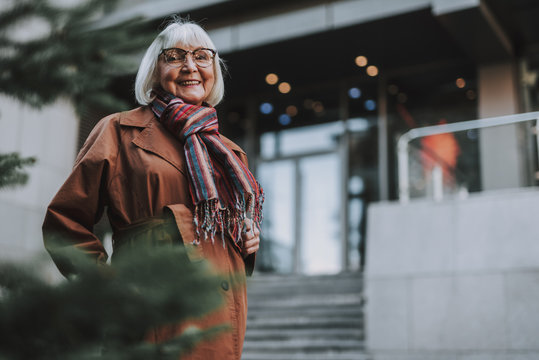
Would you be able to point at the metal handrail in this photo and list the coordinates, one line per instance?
(404, 140)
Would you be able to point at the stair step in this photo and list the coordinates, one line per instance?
(315, 311)
(295, 291)
(306, 300)
(310, 333)
(304, 322)
(261, 277)
(325, 355)
(305, 345)
(304, 317)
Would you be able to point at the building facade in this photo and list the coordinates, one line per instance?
(318, 94)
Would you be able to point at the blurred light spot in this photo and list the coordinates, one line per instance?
(393, 89)
(266, 108)
(354, 93)
(471, 95)
(460, 82)
(356, 185)
(291, 110)
(284, 119)
(308, 104)
(361, 61)
(284, 87)
(370, 105)
(357, 124)
(318, 107)
(372, 70)
(402, 98)
(472, 134)
(272, 79)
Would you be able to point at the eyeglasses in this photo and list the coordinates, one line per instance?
(177, 57)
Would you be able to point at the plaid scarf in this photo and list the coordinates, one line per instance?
(223, 189)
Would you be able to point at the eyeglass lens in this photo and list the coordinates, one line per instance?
(177, 57)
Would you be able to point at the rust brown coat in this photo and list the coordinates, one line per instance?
(132, 165)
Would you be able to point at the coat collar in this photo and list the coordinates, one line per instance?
(156, 139)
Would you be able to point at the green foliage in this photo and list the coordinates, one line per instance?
(106, 312)
(11, 173)
(74, 59)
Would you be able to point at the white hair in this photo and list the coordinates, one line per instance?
(187, 34)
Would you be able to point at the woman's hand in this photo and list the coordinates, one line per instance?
(251, 238)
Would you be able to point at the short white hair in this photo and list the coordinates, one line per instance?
(187, 34)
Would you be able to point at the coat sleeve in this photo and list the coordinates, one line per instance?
(251, 258)
(79, 203)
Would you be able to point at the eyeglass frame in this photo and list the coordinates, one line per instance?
(192, 52)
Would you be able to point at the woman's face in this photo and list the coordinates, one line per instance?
(189, 82)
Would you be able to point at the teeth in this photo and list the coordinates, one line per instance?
(191, 82)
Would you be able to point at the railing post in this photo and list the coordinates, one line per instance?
(437, 183)
(402, 154)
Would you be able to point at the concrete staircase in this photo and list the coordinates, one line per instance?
(305, 318)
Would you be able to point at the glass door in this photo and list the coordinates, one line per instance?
(301, 230)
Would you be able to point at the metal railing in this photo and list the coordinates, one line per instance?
(406, 138)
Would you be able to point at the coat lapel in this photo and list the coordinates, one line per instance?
(155, 138)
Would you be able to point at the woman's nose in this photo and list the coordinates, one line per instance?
(189, 64)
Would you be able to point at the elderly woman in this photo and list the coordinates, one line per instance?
(165, 164)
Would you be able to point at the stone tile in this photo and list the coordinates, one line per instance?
(524, 355)
(51, 181)
(484, 356)
(480, 309)
(33, 129)
(25, 195)
(523, 310)
(485, 240)
(474, 247)
(414, 356)
(386, 313)
(411, 245)
(32, 236)
(62, 133)
(10, 116)
(432, 313)
(458, 313)
(12, 229)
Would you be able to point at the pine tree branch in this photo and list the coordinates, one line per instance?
(11, 173)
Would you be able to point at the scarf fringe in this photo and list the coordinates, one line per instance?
(210, 218)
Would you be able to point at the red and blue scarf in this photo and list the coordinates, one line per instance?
(223, 190)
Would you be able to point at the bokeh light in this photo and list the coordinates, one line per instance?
(318, 107)
(354, 93)
(272, 79)
(284, 87)
(471, 95)
(372, 70)
(370, 105)
(460, 82)
(266, 108)
(361, 61)
(291, 110)
(284, 119)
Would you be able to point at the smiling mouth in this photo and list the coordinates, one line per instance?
(189, 83)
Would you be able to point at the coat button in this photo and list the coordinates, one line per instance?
(224, 285)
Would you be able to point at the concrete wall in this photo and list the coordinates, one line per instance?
(50, 135)
(454, 280)
(501, 166)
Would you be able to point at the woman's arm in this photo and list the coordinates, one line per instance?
(79, 203)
